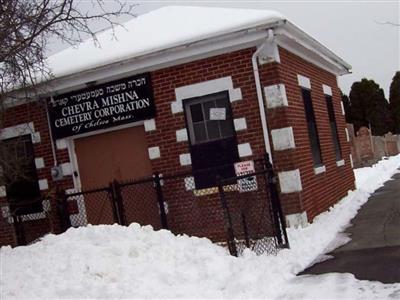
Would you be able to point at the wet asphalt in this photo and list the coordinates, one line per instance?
(374, 250)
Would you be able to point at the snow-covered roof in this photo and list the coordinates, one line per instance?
(160, 29)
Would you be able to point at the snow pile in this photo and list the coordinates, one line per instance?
(160, 29)
(137, 262)
(370, 178)
(114, 262)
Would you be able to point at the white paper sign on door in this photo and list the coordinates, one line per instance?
(218, 114)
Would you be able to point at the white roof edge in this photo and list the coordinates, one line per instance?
(292, 28)
(211, 39)
(157, 30)
(190, 47)
(296, 31)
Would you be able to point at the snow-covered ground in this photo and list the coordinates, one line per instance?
(137, 262)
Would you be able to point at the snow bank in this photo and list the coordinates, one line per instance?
(371, 178)
(137, 262)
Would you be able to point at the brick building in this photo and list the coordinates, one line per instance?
(170, 96)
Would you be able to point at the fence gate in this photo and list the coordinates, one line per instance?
(253, 214)
(30, 221)
(122, 203)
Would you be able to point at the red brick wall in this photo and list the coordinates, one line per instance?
(323, 190)
(319, 191)
(236, 64)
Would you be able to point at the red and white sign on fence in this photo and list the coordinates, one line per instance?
(246, 184)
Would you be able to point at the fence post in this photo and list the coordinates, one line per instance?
(118, 203)
(160, 199)
(245, 230)
(19, 230)
(279, 218)
(227, 215)
(62, 208)
(113, 202)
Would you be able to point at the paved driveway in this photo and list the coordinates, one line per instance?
(374, 251)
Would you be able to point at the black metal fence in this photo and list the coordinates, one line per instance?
(241, 212)
(29, 226)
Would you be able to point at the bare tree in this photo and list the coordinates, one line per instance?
(388, 23)
(25, 29)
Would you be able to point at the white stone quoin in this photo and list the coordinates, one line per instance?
(149, 125)
(66, 168)
(43, 184)
(61, 144)
(290, 181)
(176, 107)
(283, 138)
(304, 81)
(275, 95)
(39, 162)
(327, 90)
(235, 95)
(240, 124)
(154, 152)
(36, 137)
(245, 150)
(181, 135)
(185, 159)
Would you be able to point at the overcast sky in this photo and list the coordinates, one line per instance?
(352, 29)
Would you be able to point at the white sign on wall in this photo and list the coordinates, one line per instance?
(218, 114)
(246, 184)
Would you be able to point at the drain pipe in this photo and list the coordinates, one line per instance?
(260, 94)
(53, 150)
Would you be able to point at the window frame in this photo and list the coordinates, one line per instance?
(333, 126)
(189, 119)
(35, 199)
(313, 136)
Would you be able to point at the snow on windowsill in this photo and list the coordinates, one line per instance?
(340, 163)
(319, 170)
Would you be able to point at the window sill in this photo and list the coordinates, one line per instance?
(319, 170)
(340, 163)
